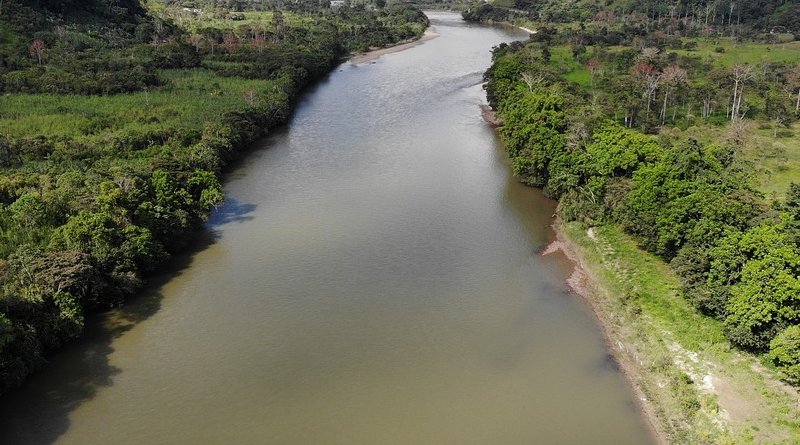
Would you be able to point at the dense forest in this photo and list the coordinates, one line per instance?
(115, 124)
(651, 127)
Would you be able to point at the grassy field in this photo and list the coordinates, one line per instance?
(192, 22)
(191, 98)
(740, 52)
(698, 385)
(561, 58)
(778, 159)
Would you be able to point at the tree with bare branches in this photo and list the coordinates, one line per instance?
(38, 50)
(260, 42)
(741, 73)
(593, 65)
(230, 42)
(531, 81)
(792, 76)
(650, 80)
(672, 77)
(196, 40)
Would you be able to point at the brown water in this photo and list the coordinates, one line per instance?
(373, 278)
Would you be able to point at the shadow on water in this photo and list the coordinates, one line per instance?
(533, 209)
(231, 211)
(38, 412)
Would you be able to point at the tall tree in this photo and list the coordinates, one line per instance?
(671, 78)
(741, 73)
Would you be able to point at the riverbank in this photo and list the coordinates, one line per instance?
(369, 56)
(692, 386)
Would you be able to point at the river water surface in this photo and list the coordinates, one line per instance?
(373, 278)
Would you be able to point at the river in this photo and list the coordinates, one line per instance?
(372, 278)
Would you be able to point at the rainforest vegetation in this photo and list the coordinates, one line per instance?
(663, 118)
(116, 121)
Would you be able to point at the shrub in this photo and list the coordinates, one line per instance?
(784, 351)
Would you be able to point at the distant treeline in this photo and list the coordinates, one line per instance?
(698, 15)
(689, 202)
(84, 218)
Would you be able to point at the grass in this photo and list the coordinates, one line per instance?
(191, 98)
(209, 19)
(701, 389)
(778, 159)
(740, 52)
(573, 71)
(251, 18)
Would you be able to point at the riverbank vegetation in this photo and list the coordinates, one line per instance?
(116, 121)
(678, 126)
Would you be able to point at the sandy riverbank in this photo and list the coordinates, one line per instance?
(429, 34)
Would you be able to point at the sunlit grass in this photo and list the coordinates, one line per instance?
(561, 58)
(191, 98)
(740, 52)
(778, 157)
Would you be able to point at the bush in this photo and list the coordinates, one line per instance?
(784, 351)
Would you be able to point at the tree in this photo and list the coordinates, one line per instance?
(793, 201)
(705, 92)
(650, 80)
(260, 42)
(593, 65)
(534, 128)
(196, 40)
(741, 74)
(531, 80)
(29, 210)
(616, 151)
(778, 108)
(277, 25)
(230, 42)
(38, 49)
(766, 300)
(784, 351)
(792, 75)
(671, 78)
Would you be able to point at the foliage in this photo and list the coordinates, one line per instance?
(785, 353)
